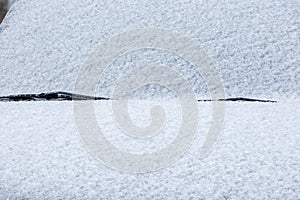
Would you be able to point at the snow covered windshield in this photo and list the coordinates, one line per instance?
(150, 99)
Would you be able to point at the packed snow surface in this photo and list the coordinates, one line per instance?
(255, 47)
(257, 156)
(254, 44)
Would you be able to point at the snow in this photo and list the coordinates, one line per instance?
(255, 44)
(257, 156)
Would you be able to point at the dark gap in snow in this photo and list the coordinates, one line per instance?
(66, 96)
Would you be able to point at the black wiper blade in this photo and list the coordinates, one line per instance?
(67, 96)
(241, 99)
(51, 96)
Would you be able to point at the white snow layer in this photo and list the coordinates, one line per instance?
(255, 44)
(257, 157)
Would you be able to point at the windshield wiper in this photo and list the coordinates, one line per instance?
(67, 96)
(51, 96)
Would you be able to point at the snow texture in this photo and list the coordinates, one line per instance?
(255, 44)
(257, 157)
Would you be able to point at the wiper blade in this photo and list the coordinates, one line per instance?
(241, 99)
(52, 96)
(67, 96)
